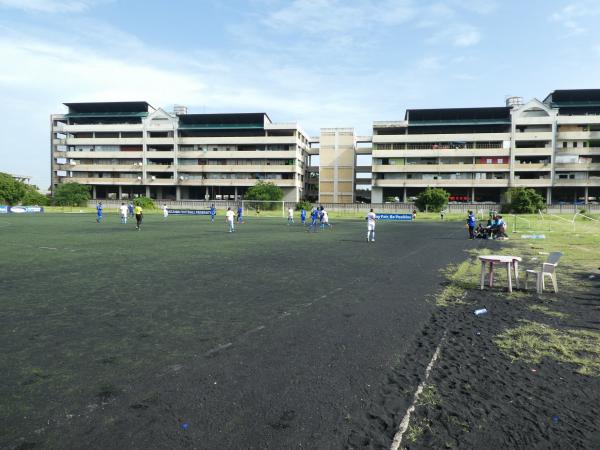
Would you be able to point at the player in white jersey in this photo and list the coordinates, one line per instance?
(325, 219)
(123, 212)
(290, 216)
(371, 218)
(165, 211)
(229, 217)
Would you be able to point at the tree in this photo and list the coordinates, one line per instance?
(33, 197)
(525, 200)
(11, 190)
(145, 202)
(265, 191)
(432, 199)
(72, 194)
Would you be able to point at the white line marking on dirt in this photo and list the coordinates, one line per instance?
(218, 349)
(406, 419)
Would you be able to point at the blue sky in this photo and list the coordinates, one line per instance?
(323, 63)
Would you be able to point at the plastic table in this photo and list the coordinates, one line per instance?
(512, 264)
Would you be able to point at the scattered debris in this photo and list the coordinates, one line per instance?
(479, 312)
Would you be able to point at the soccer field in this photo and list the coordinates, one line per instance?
(182, 333)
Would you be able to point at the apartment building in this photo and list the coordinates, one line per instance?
(126, 149)
(476, 154)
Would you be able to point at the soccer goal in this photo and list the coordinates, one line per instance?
(265, 208)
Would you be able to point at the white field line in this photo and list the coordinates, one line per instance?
(406, 419)
(49, 248)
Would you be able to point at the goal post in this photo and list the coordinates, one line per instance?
(265, 208)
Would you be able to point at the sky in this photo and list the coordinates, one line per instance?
(322, 63)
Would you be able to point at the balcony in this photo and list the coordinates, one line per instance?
(160, 154)
(533, 167)
(159, 168)
(230, 168)
(441, 183)
(443, 153)
(578, 135)
(262, 154)
(534, 136)
(578, 151)
(105, 141)
(577, 166)
(103, 181)
(441, 168)
(470, 137)
(160, 141)
(99, 155)
(546, 151)
(534, 182)
(238, 140)
(594, 182)
(236, 182)
(101, 167)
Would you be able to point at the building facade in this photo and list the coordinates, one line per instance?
(126, 149)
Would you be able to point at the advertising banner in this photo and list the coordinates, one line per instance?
(189, 212)
(22, 209)
(394, 216)
(3, 209)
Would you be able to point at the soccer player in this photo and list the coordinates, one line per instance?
(290, 216)
(239, 215)
(229, 215)
(371, 218)
(313, 216)
(471, 225)
(123, 212)
(165, 211)
(131, 209)
(324, 219)
(213, 213)
(303, 216)
(139, 215)
(99, 212)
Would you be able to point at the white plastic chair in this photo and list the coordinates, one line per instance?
(548, 269)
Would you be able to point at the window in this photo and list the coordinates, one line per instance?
(564, 145)
(489, 161)
(574, 144)
(500, 160)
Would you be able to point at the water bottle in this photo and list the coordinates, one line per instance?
(479, 312)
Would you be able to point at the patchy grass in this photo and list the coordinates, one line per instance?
(461, 277)
(416, 429)
(430, 396)
(547, 311)
(533, 341)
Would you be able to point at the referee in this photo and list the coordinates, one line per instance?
(138, 216)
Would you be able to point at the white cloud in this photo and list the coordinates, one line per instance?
(572, 16)
(457, 35)
(51, 6)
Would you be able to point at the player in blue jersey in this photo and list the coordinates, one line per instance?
(313, 216)
(303, 216)
(239, 215)
(213, 213)
(99, 212)
(130, 208)
(471, 224)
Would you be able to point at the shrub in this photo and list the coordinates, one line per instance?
(33, 197)
(432, 199)
(71, 194)
(145, 202)
(525, 201)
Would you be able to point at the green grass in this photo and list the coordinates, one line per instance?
(429, 396)
(547, 311)
(533, 341)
